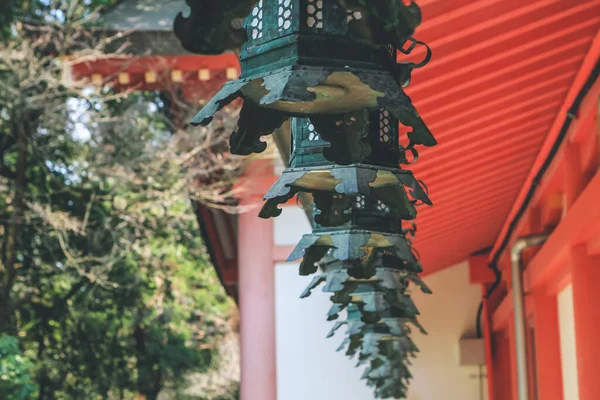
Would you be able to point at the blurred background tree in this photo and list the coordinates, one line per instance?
(16, 380)
(106, 290)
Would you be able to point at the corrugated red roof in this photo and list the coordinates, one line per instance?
(500, 72)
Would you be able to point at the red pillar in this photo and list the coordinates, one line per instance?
(257, 307)
(586, 304)
(573, 177)
(513, 358)
(547, 347)
(489, 347)
(501, 366)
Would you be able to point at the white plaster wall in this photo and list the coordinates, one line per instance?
(568, 354)
(308, 367)
(290, 226)
(448, 315)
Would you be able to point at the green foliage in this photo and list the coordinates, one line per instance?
(234, 395)
(103, 275)
(6, 16)
(16, 381)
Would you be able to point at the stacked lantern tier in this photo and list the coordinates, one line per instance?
(358, 249)
(330, 66)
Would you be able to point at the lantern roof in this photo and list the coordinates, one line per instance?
(143, 15)
(149, 24)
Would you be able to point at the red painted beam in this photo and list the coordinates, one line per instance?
(529, 95)
(551, 210)
(500, 87)
(476, 166)
(589, 144)
(507, 121)
(587, 117)
(462, 229)
(518, 59)
(489, 352)
(481, 120)
(574, 181)
(428, 95)
(499, 144)
(581, 224)
(582, 76)
(457, 195)
(455, 223)
(586, 306)
(510, 331)
(466, 229)
(479, 271)
(594, 246)
(558, 282)
(450, 201)
(155, 63)
(547, 347)
(503, 315)
(501, 367)
(502, 22)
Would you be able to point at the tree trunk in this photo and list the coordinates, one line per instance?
(14, 230)
(149, 377)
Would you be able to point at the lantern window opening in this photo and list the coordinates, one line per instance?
(314, 10)
(382, 207)
(284, 20)
(257, 21)
(385, 127)
(354, 16)
(361, 201)
(312, 133)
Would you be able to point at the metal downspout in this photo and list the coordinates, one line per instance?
(519, 309)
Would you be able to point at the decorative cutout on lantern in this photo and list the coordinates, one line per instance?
(330, 66)
(314, 14)
(284, 22)
(312, 133)
(256, 22)
(354, 16)
(384, 126)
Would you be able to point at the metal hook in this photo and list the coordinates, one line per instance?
(412, 150)
(413, 44)
(406, 68)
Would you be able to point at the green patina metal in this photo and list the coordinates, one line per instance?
(372, 285)
(316, 33)
(330, 66)
(370, 193)
(370, 137)
(213, 26)
(313, 58)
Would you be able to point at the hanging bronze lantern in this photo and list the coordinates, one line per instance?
(330, 66)
(313, 57)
